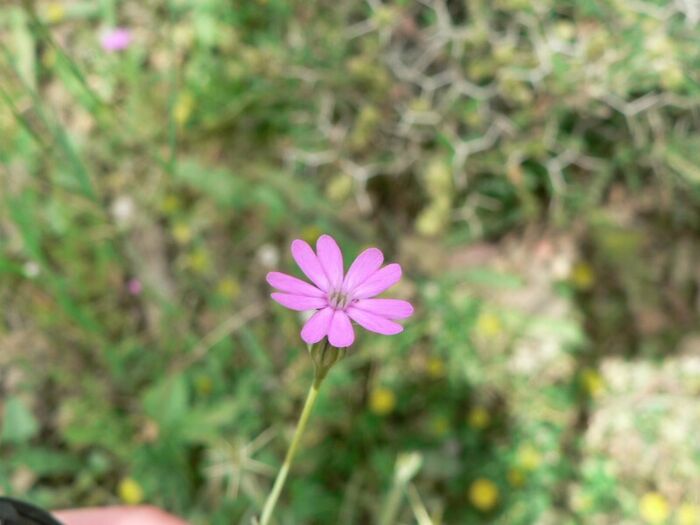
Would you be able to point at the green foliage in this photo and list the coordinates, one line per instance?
(19, 425)
(533, 167)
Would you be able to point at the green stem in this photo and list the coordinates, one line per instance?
(391, 507)
(291, 452)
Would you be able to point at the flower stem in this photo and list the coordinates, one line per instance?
(269, 506)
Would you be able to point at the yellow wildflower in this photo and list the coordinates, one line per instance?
(130, 492)
(183, 108)
(488, 325)
(654, 508)
(339, 188)
(529, 457)
(170, 204)
(516, 477)
(182, 233)
(199, 261)
(432, 220)
(672, 77)
(483, 494)
(688, 514)
(478, 418)
(435, 367)
(382, 401)
(228, 288)
(582, 276)
(55, 12)
(592, 382)
(438, 178)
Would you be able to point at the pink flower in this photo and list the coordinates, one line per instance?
(340, 297)
(134, 286)
(116, 39)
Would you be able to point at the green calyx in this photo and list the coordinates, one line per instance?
(324, 356)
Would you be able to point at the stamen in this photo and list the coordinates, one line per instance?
(338, 299)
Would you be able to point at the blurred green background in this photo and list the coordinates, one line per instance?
(534, 167)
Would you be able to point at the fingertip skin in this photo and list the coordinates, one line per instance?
(141, 515)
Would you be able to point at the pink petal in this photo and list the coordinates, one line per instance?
(331, 259)
(116, 39)
(378, 282)
(309, 263)
(389, 308)
(299, 302)
(373, 322)
(340, 332)
(316, 328)
(365, 265)
(289, 284)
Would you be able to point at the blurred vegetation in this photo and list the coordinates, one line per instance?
(533, 166)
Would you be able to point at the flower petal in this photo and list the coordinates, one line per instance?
(362, 267)
(331, 259)
(309, 263)
(299, 302)
(340, 332)
(389, 308)
(378, 282)
(287, 283)
(316, 328)
(373, 322)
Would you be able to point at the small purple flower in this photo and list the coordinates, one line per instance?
(134, 286)
(340, 297)
(116, 39)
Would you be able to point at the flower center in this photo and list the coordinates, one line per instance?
(339, 299)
